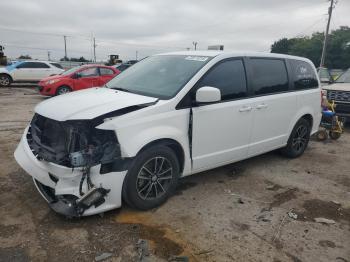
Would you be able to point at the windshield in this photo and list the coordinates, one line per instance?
(344, 78)
(159, 76)
(69, 71)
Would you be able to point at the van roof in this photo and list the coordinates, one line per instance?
(213, 53)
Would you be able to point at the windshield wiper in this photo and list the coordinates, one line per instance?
(120, 89)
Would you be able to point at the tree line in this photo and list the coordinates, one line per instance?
(338, 48)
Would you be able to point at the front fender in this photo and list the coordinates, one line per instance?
(135, 134)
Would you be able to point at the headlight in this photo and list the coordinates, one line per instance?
(50, 82)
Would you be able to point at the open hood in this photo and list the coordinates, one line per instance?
(89, 103)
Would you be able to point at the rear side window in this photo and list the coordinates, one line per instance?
(57, 65)
(304, 75)
(269, 76)
(229, 77)
(89, 72)
(106, 71)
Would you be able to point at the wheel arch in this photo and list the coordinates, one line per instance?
(307, 114)
(6, 74)
(308, 117)
(172, 144)
(63, 85)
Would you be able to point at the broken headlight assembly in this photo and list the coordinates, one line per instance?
(75, 144)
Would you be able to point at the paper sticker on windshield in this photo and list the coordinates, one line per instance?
(197, 58)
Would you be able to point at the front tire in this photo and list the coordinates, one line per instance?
(152, 178)
(5, 80)
(63, 90)
(298, 139)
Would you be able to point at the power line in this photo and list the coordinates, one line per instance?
(42, 49)
(43, 33)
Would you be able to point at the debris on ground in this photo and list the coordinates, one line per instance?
(240, 201)
(203, 252)
(292, 215)
(143, 249)
(324, 220)
(179, 259)
(103, 256)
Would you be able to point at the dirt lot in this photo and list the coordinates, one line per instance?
(234, 213)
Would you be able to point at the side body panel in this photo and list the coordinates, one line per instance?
(221, 133)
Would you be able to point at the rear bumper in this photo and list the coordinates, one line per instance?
(59, 185)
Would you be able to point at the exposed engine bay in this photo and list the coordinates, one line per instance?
(74, 144)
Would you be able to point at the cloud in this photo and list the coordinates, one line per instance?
(153, 26)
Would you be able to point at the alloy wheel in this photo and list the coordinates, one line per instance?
(299, 141)
(63, 90)
(154, 178)
(4, 81)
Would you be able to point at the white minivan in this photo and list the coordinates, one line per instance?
(168, 116)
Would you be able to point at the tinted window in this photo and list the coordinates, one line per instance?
(33, 65)
(229, 77)
(304, 75)
(122, 67)
(269, 76)
(106, 71)
(89, 72)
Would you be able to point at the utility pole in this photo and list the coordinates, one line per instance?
(324, 49)
(136, 54)
(48, 56)
(195, 45)
(94, 45)
(65, 47)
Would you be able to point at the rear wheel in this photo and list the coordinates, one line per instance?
(63, 90)
(5, 80)
(152, 178)
(298, 140)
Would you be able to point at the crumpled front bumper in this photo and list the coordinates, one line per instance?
(58, 183)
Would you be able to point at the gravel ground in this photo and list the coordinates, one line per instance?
(237, 212)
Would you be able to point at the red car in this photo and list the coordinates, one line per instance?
(77, 78)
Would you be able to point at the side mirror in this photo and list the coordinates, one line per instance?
(208, 94)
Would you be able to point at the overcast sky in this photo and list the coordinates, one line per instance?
(35, 27)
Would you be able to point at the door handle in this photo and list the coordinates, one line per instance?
(261, 106)
(245, 109)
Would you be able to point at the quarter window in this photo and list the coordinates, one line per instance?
(229, 77)
(57, 65)
(269, 76)
(304, 75)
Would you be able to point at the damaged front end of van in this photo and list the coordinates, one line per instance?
(76, 166)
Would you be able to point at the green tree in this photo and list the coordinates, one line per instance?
(24, 57)
(338, 48)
